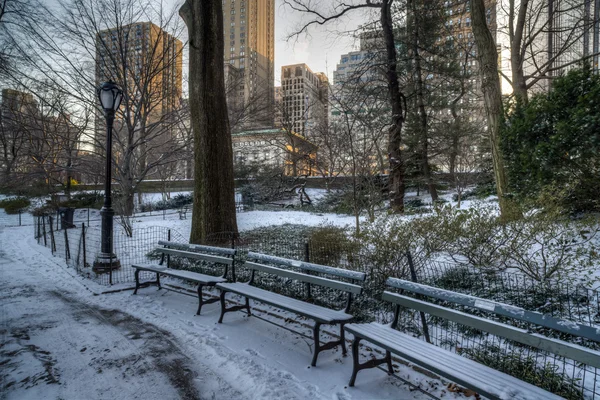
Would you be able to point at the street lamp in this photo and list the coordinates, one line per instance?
(110, 97)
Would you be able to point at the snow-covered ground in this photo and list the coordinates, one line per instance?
(60, 340)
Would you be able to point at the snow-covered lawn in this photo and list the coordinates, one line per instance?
(60, 340)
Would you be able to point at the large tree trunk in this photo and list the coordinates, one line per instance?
(396, 176)
(424, 133)
(490, 86)
(214, 197)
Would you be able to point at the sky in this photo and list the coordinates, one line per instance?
(320, 49)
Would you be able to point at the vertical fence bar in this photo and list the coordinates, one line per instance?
(52, 242)
(83, 239)
(20, 211)
(307, 259)
(88, 216)
(44, 229)
(168, 255)
(67, 250)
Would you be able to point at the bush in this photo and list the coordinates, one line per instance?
(328, 244)
(516, 363)
(15, 204)
(554, 140)
(178, 201)
(84, 200)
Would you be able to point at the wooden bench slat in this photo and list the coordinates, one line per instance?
(177, 273)
(196, 256)
(558, 347)
(506, 310)
(487, 381)
(346, 287)
(197, 247)
(321, 314)
(325, 269)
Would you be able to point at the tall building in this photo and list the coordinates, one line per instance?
(304, 99)
(147, 58)
(145, 61)
(558, 33)
(358, 66)
(249, 48)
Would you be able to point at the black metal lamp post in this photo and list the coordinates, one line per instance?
(110, 97)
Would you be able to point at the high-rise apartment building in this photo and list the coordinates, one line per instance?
(304, 99)
(249, 33)
(146, 58)
(145, 61)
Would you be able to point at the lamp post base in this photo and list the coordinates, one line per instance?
(106, 262)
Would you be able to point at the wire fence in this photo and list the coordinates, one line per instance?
(79, 247)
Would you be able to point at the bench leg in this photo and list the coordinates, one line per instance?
(343, 340)
(223, 309)
(355, 363)
(200, 303)
(316, 335)
(137, 280)
(248, 306)
(357, 366)
(233, 308)
(388, 359)
(158, 281)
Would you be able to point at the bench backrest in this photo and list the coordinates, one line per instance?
(554, 346)
(256, 262)
(211, 254)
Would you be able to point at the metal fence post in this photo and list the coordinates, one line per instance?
(19, 217)
(52, 242)
(88, 217)
(67, 250)
(168, 255)
(307, 259)
(413, 277)
(83, 242)
(44, 230)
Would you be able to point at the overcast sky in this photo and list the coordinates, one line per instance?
(320, 50)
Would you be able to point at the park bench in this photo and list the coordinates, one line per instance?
(257, 263)
(468, 373)
(213, 255)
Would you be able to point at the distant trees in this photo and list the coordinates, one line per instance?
(65, 49)
(552, 144)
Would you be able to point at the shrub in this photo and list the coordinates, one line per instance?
(84, 200)
(518, 364)
(14, 204)
(328, 244)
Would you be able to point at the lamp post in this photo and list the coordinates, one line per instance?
(110, 97)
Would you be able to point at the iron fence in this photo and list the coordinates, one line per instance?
(566, 301)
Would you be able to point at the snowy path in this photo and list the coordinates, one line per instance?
(59, 340)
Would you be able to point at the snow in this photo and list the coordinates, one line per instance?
(62, 340)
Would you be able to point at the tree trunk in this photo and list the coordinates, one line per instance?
(424, 136)
(490, 86)
(396, 175)
(519, 85)
(214, 193)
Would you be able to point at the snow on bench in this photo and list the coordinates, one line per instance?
(213, 255)
(321, 315)
(466, 372)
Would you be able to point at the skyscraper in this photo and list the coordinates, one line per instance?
(146, 59)
(249, 33)
(304, 99)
